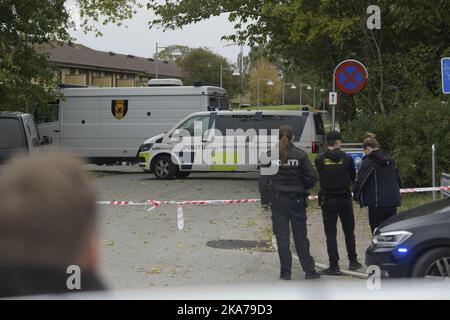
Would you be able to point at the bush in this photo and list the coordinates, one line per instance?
(408, 134)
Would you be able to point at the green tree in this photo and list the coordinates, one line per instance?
(313, 36)
(262, 71)
(26, 76)
(167, 53)
(408, 134)
(203, 65)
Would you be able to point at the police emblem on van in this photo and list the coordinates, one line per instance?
(119, 108)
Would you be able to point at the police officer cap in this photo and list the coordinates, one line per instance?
(334, 135)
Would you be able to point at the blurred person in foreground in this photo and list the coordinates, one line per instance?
(47, 223)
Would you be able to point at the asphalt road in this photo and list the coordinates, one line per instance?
(142, 249)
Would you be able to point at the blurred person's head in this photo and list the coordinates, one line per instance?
(334, 139)
(47, 213)
(370, 143)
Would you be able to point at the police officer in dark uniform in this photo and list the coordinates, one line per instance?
(336, 173)
(288, 192)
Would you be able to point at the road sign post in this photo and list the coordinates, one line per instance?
(332, 101)
(350, 77)
(445, 72)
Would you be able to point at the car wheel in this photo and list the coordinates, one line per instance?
(164, 169)
(433, 263)
(182, 174)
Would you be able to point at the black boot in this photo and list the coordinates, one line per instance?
(354, 265)
(331, 271)
(285, 276)
(311, 275)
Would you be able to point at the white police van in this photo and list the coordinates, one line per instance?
(223, 141)
(107, 125)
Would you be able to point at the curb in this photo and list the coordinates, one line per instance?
(356, 274)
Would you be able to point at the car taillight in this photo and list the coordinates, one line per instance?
(314, 147)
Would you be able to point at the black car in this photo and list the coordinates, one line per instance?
(414, 243)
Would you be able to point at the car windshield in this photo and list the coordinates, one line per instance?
(10, 134)
(200, 121)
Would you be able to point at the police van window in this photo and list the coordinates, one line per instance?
(244, 122)
(224, 122)
(271, 122)
(213, 103)
(297, 124)
(224, 104)
(11, 136)
(318, 121)
(189, 124)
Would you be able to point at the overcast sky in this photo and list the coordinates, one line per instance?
(139, 40)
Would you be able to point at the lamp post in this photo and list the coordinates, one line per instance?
(240, 68)
(269, 83)
(235, 73)
(176, 52)
(314, 99)
(301, 86)
(293, 87)
(323, 99)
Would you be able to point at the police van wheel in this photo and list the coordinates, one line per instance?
(165, 169)
(182, 174)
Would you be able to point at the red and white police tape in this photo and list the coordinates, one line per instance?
(180, 215)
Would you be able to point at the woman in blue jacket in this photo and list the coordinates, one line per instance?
(378, 183)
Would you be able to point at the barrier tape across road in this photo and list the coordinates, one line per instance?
(180, 215)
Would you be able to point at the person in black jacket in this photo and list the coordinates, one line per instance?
(288, 189)
(336, 173)
(378, 183)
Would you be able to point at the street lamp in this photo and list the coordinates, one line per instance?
(314, 101)
(269, 83)
(235, 73)
(175, 52)
(323, 99)
(301, 86)
(293, 87)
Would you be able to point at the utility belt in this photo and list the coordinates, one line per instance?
(291, 195)
(274, 192)
(325, 195)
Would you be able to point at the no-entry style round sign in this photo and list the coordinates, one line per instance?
(350, 76)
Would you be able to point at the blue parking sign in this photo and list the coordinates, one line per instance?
(445, 70)
(357, 158)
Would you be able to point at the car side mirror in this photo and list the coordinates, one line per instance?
(46, 140)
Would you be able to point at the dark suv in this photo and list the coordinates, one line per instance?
(414, 243)
(19, 134)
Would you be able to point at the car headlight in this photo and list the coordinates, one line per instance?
(145, 147)
(391, 239)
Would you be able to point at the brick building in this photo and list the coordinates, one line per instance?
(83, 66)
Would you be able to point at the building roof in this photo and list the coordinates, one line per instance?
(82, 56)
